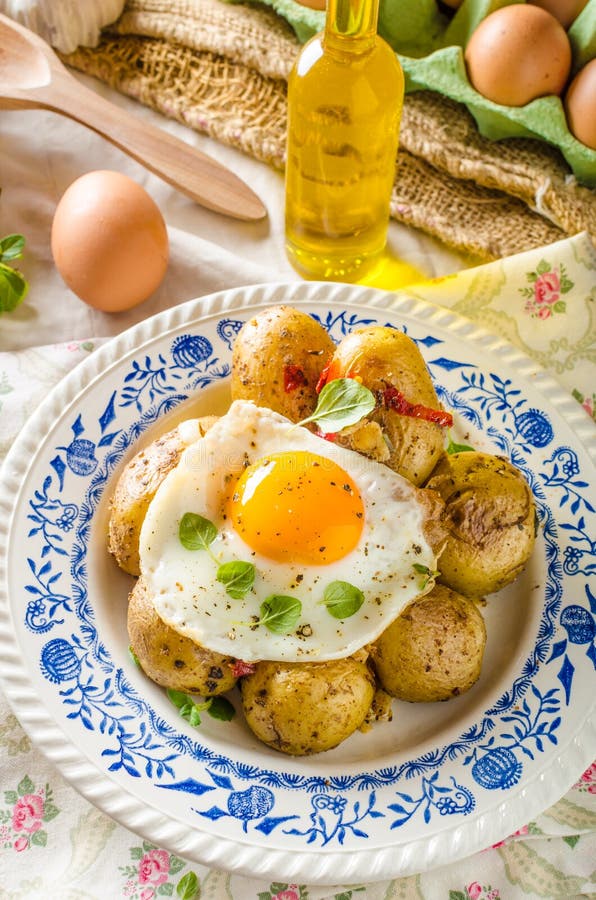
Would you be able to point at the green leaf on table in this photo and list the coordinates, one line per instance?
(342, 402)
(342, 599)
(11, 247)
(13, 288)
(280, 613)
(238, 577)
(196, 532)
(188, 887)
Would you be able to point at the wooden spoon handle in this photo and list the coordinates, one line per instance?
(184, 167)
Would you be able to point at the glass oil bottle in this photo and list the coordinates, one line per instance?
(345, 97)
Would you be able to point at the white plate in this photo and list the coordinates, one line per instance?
(439, 782)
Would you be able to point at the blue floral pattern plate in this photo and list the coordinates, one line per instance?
(440, 781)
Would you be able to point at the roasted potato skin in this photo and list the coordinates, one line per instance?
(304, 708)
(384, 358)
(171, 659)
(135, 489)
(490, 520)
(277, 344)
(433, 650)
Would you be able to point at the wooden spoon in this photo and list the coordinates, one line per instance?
(32, 77)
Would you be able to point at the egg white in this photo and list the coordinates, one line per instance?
(183, 584)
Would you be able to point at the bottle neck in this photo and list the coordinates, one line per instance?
(351, 21)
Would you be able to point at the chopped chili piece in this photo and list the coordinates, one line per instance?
(332, 371)
(323, 377)
(240, 668)
(395, 400)
(294, 378)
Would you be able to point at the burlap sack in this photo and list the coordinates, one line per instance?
(222, 69)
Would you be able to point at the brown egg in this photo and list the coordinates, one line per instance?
(109, 241)
(518, 53)
(566, 11)
(580, 105)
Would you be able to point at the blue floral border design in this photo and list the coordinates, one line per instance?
(140, 743)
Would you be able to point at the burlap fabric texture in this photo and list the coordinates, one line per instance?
(221, 69)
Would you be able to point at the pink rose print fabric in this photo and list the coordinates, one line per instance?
(157, 873)
(23, 821)
(545, 292)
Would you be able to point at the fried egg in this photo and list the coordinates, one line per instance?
(309, 519)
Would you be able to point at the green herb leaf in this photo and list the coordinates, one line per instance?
(424, 570)
(178, 698)
(196, 532)
(187, 707)
(221, 708)
(134, 657)
(280, 614)
(188, 887)
(342, 599)
(11, 247)
(238, 577)
(452, 447)
(342, 402)
(13, 288)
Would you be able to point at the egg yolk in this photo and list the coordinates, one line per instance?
(297, 507)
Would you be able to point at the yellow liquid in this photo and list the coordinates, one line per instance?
(345, 99)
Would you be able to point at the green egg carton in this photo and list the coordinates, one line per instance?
(430, 45)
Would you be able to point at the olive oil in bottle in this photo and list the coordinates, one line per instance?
(345, 96)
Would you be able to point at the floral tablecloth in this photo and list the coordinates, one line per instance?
(54, 844)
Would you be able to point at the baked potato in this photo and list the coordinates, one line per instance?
(389, 364)
(169, 658)
(433, 650)
(303, 708)
(277, 359)
(490, 520)
(137, 486)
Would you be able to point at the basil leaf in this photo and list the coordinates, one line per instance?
(452, 447)
(221, 708)
(342, 599)
(178, 698)
(342, 402)
(13, 288)
(11, 247)
(187, 707)
(280, 614)
(134, 657)
(188, 888)
(195, 532)
(238, 577)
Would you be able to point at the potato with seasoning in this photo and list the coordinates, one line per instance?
(490, 520)
(408, 415)
(433, 650)
(137, 486)
(277, 359)
(303, 708)
(169, 658)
